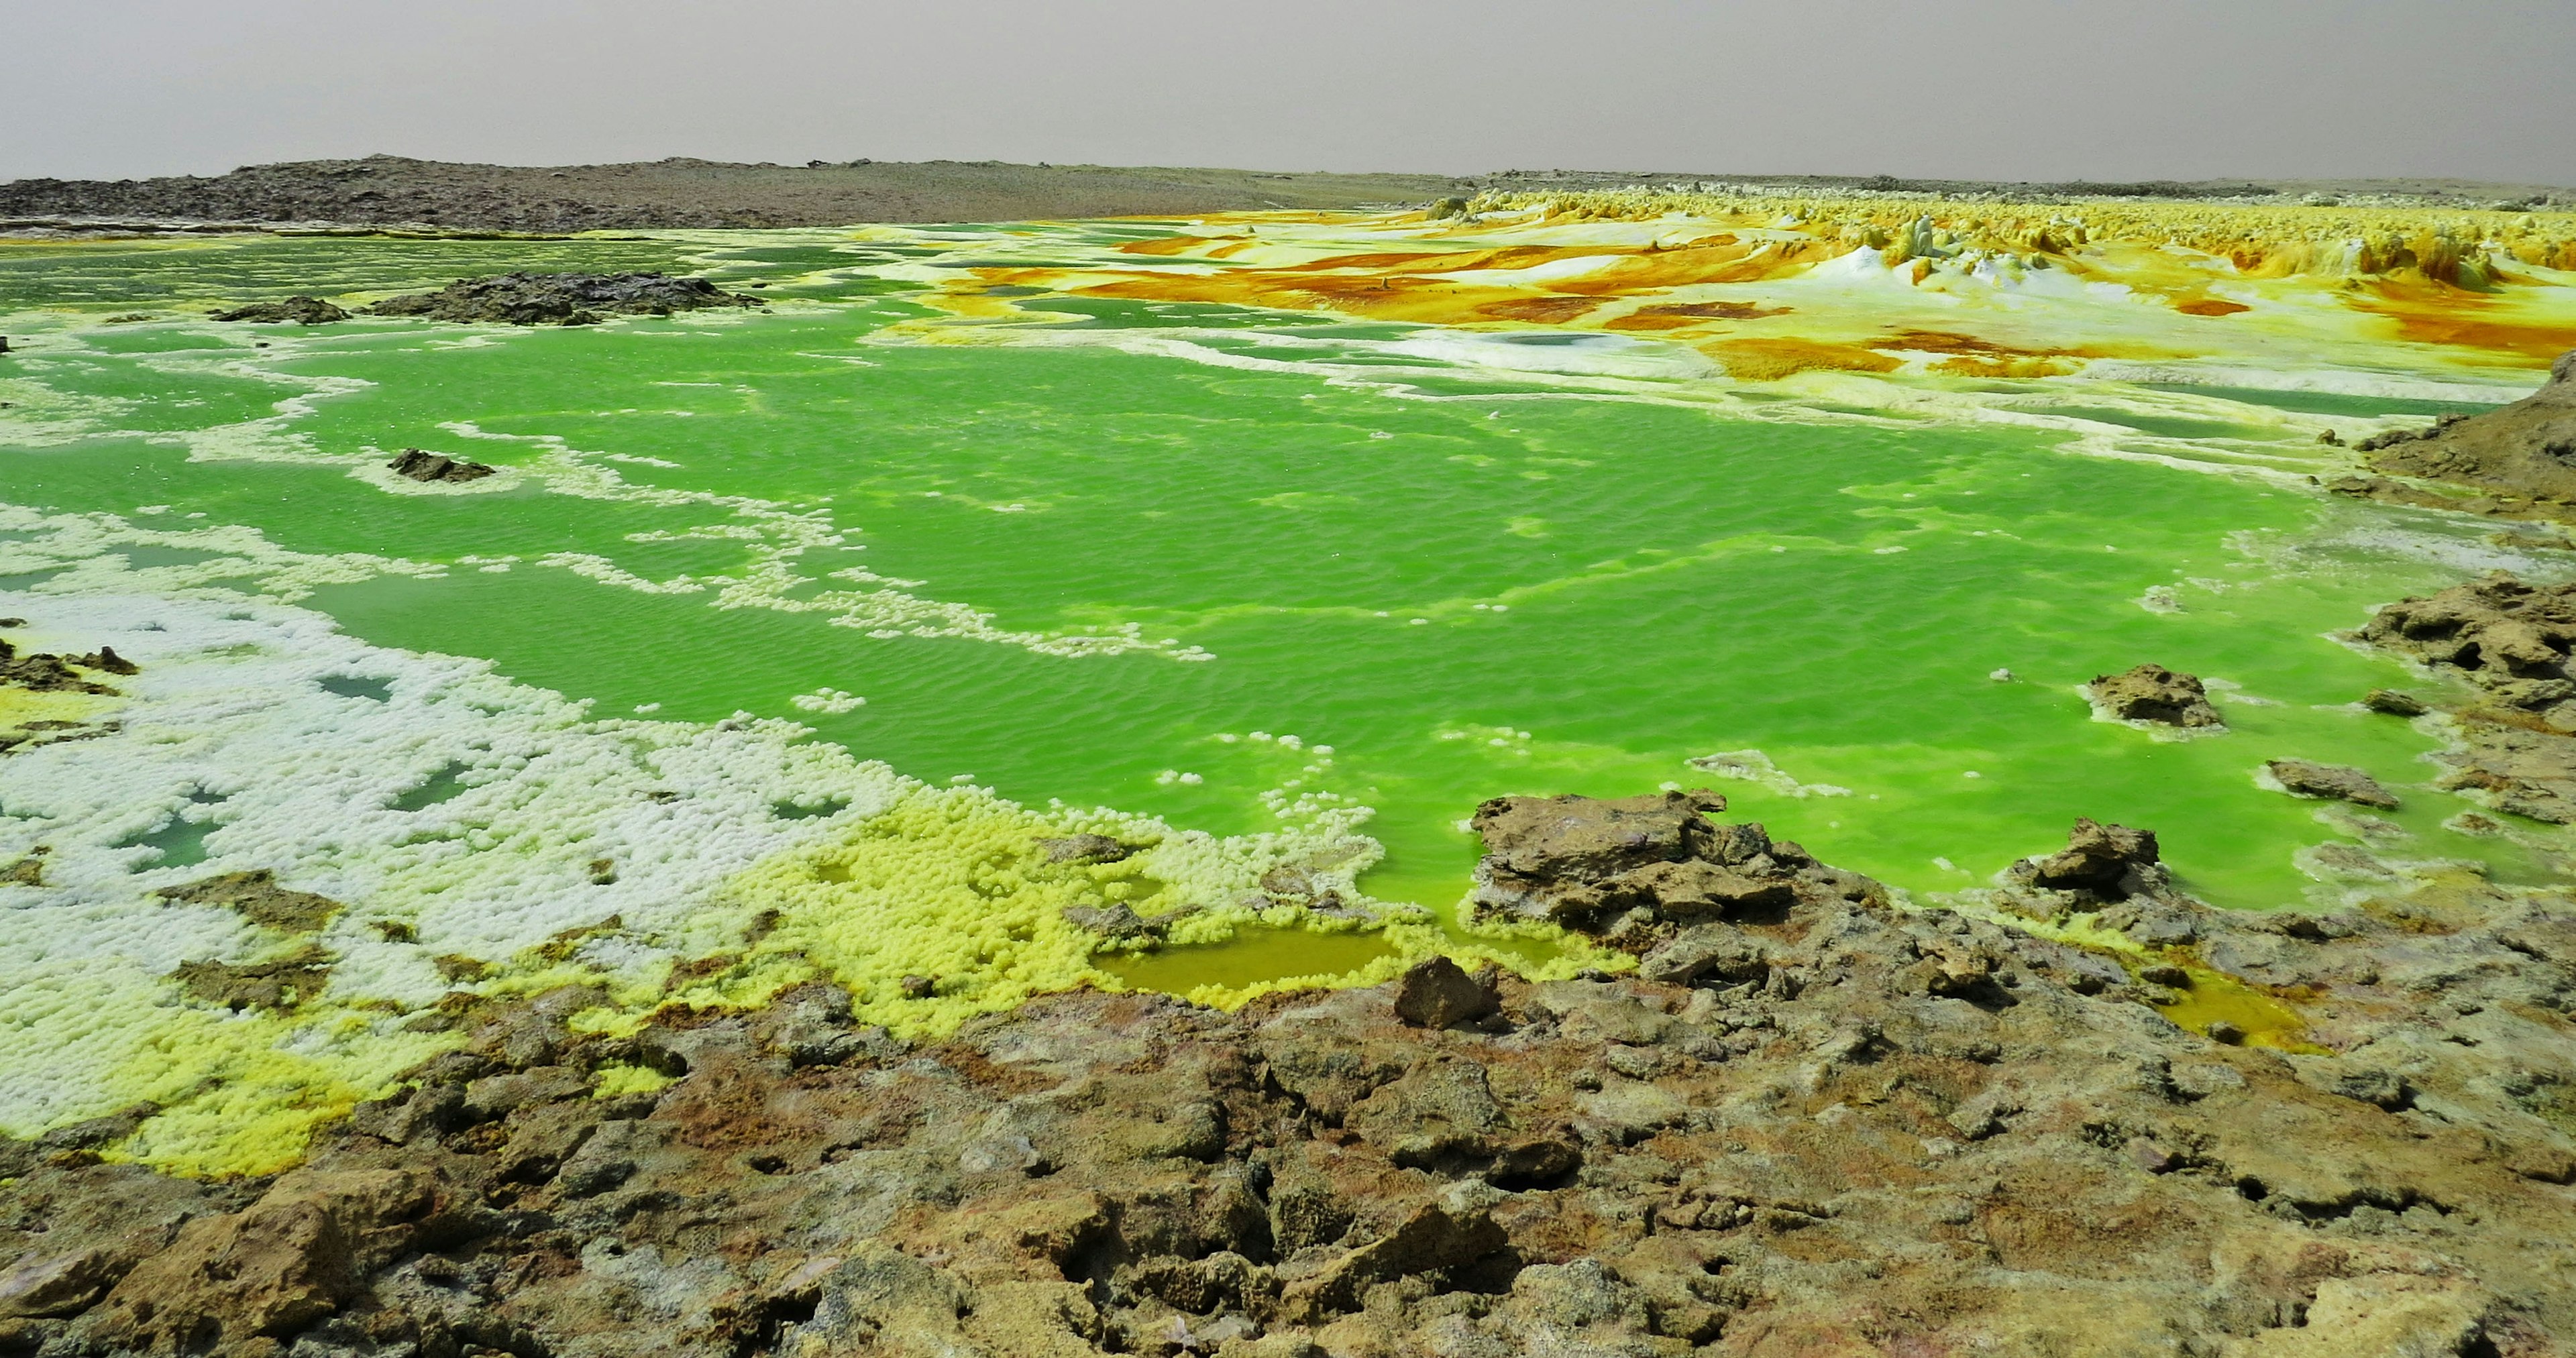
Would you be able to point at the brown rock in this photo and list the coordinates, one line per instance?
(2153, 693)
(2394, 703)
(1115, 922)
(2525, 450)
(420, 465)
(107, 661)
(1084, 849)
(282, 984)
(60, 1285)
(2334, 781)
(1438, 993)
(292, 1259)
(2097, 858)
(260, 900)
(1695, 889)
(298, 310)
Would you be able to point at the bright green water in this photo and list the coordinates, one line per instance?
(1461, 596)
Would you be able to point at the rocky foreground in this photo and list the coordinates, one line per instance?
(2515, 462)
(1812, 1123)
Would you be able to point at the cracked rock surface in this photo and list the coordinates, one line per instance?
(1826, 1125)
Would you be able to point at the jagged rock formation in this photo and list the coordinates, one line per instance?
(1840, 1127)
(2528, 447)
(1625, 866)
(560, 298)
(41, 673)
(2511, 640)
(2152, 693)
(421, 465)
(299, 310)
(2520, 459)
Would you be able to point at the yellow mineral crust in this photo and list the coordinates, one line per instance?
(1772, 288)
(127, 979)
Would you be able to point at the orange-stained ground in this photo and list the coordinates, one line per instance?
(1769, 289)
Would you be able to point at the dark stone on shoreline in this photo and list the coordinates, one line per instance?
(2152, 693)
(2524, 454)
(1085, 849)
(298, 310)
(420, 465)
(1118, 923)
(2112, 862)
(560, 298)
(1439, 993)
(2333, 781)
(2394, 703)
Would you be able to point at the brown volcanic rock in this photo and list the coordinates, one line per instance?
(2153, 693)
(299, 310)
(2334, 781)
(2525, 450)
(421, 465)
(2511, 641)
(561, 298)
(1840, 1127)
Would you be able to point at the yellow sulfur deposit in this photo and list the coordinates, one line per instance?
(1770, 288)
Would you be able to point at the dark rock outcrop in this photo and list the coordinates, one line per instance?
(560, 298)
(259, 899)
(2524, 453)
(1652, 860)
(2152, 693)
(298, 310)
(1085, 849)
(421, 465)
(1438, 993)
(2511, 640)
(2108, 862)
(2335, 782)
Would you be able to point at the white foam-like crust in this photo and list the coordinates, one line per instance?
(230, 704)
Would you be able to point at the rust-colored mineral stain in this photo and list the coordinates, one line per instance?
(2454, 326)
(2210, 306)
(1766, 360)
(1540, 310)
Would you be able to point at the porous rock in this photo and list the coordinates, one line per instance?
(2523, 454)
(2510, 639)
(421, 465)
(1438, 993)
(2107, 861)
(2152, 693)
(1840, 1126)
(2336, 782)
(298, 310)
(560, 298)
(1085, 848)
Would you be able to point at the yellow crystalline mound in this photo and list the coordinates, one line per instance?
(949, 890)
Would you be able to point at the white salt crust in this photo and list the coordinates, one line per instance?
(230, 721)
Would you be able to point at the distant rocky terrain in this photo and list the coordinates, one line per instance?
(1811, 1122)
(395, 191)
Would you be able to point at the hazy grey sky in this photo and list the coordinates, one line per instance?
(1993, 89)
